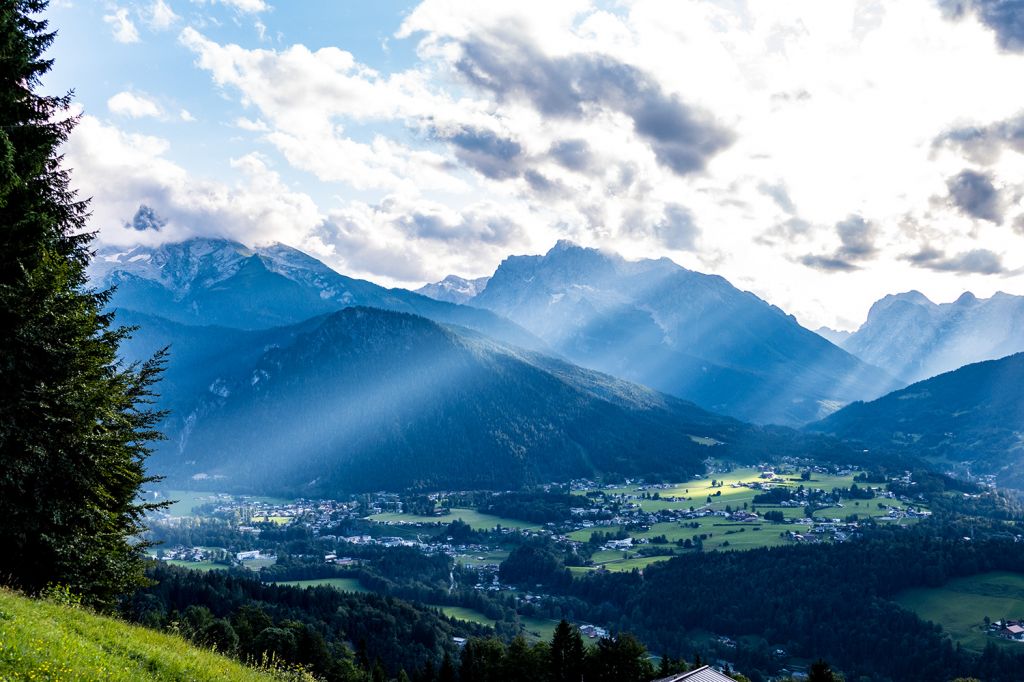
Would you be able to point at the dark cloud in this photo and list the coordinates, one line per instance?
(974, 194)
(683, 138)
(474, 226)
(542, 184)
(1004, 17)
(471, 226)
(426, 226)
(926, 255)
(975, 261)
(856, 243)
(496, 157)
(791, 230)
(677, 228)
(146, 219)
(984, 144)
(829, 263)
(779, 195)
(858, 238)
(573, 154)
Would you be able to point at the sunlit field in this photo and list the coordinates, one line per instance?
(474, 518)
(340, 584)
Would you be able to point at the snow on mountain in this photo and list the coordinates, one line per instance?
(220, 282)
(454, 289)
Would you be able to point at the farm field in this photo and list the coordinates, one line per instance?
(534, 629)
(259, 564)
(279, 520)
(471, 516)
(538, 629)
(488, 556)
(696, 491)
(728, 493)
(463, 613)
(197, 565)
(341, 584)
(960, 606)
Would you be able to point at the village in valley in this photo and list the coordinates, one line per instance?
(590, 526)
(613, 527)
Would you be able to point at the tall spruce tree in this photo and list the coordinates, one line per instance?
(74, 422)
(567, 653)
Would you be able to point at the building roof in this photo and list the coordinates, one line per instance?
(702, 674)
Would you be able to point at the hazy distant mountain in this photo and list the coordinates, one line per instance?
(454, 289)
(224, 283)
(914, 339)
(836, 336)
(970, 419)
(369, 399)
(686, 333)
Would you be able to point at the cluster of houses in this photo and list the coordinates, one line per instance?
(1008, 629)
(180, 553)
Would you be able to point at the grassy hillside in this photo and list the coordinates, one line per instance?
(961, 605)
(47, 641)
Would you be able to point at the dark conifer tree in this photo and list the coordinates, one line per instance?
(566, 653)
(74, 422)
(447, 671)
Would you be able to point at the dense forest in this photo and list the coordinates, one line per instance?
(351, 637)
(822, 600)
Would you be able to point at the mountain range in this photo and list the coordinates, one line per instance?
(913, 338)
(970, 420)
(290, 377)
(682, 332)
(367, 399)
(224, 283)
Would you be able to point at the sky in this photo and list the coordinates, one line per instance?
(819, 154)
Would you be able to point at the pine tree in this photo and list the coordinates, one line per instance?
(74, 422)
(566, 653)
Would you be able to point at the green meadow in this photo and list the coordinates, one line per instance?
(471, 516)
(534, 629)
(960, 606)
(340, 584)
(722, 534)
(40, 640)
(463, 613)
(197, 565)
(488, 556)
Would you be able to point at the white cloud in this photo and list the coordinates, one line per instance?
(186, 116)
(134, 105)
(123, 27)
(161, 16)
(247, 6)
(303, 96)
(252, 126)
(734, 137)
(120, 171)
